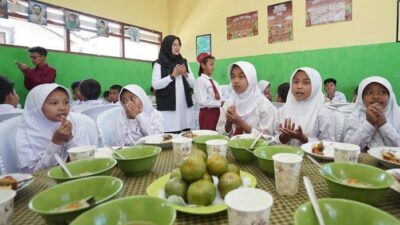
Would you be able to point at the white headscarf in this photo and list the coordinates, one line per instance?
(246, 102)
(392, 111)
(124, 123)
(262, 84)
(304, 113)
(36, 131)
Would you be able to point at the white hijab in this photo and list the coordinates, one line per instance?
(304, 113)
(246, 102)
(392, 111)
(262, 84)
(125, 125)
(36, 131)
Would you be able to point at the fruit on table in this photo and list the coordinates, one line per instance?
(193, 168)
(201, 192)
(228, 182)
(233, 168)
(176, 186)
(217, 165)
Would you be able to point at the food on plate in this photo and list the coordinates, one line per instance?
(390, 156)
(318, 148)
(355, 182)
(189, 134)
(9, 181)
(166, 137)
(83, 203)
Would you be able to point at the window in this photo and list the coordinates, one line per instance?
(17, 30)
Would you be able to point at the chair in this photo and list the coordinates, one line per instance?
(6, 116)
(107, 125)
(89, 126)
(8, 130)
(339, 124)
(95, 111)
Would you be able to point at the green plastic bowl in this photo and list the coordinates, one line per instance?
(138, 160)
(83, 168)
(237, 146)
(264, 156)
(200, 141)
(343, 212)
(102, 188)
(128, 210)
(379, 181)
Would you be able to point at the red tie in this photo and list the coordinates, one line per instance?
(214, 89)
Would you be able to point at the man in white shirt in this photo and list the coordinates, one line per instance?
(331, 95)
(9, 99)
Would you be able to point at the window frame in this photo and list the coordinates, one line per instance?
(67, 41)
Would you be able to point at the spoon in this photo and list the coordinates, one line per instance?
(313, 199)
(63, 166)
(254, 142)
(320, 167)
(117, 153)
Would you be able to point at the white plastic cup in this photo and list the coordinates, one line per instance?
(217, 146)
(81, 152)
(6, 206)
(345, 152)
(249, 206)
(182, 148)
(287, 168)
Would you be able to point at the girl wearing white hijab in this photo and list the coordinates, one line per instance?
(304, 118)
(265, 88)
(247, 111)
(375, 120)
(47, 128)
(137, 117)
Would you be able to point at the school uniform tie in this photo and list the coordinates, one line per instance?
(217, 97)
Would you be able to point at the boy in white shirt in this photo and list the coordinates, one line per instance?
(9, 99)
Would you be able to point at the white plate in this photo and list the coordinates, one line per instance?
(157, 140)
(200, 132)
(395, 186)
(328, 152)
(103, 153)
(18, 177)
(243, 136)
(377, 153)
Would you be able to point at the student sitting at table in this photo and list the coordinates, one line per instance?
(90, 90)
(137, 117)
(304, 117)
(247, 111)
(265, 88)
(9, 99)
(376, 118)
(47, 128)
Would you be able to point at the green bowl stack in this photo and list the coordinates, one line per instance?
(137, 160)
(264, 156)
(83, 168)
(237, 147)
(130, 210)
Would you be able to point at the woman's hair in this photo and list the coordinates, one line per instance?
(204, 61)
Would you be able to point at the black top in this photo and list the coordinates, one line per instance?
(165, 97)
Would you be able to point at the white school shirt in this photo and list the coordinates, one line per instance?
(323, 130)
(338, 98)
(263, 119)
(86, 105)
(204, 92)
(7, 108)
(182, 118)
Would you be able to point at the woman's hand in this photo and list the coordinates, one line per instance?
(63, 133)
(288, 132)
(182, 70)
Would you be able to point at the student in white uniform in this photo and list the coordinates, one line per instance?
(207, 93)
(137, 117)
(172, 79)
(247, 111)
(9, 99)
(375, 121)
(304, 118)
(265, 88)
(47, 128)
(90, 90)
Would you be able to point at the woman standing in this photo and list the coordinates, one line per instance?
(172, 79)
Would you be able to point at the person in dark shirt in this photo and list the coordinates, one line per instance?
(42, 73)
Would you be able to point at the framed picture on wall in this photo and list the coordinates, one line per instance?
(203, 44)
(398, 22)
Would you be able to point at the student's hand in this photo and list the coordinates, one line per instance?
(288, 132)
(372, 115)
(63, 133)
(231, 115)
(381, 118)
(21, 65)
(133, 109)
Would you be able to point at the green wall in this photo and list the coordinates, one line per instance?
(348, 65)
(71, 67)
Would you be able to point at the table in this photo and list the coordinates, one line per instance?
(282, 211)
